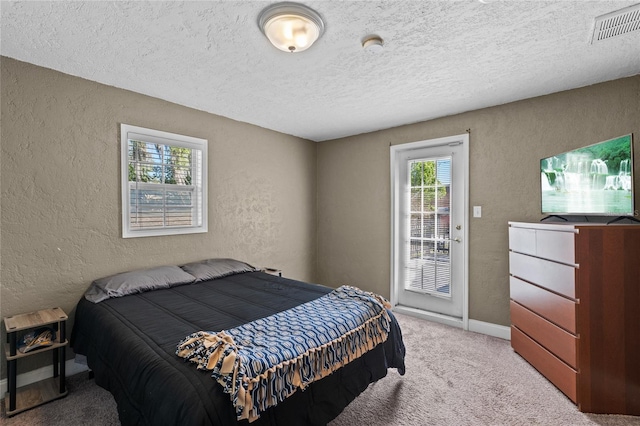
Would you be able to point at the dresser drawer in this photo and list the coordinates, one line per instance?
(557, 277)
(557, 309)
(558, 246)
(556, 371)
(557, 341)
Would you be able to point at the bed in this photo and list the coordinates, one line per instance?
(130, 344)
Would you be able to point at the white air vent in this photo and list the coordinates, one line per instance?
(617, 23)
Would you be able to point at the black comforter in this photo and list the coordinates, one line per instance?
(130, 345)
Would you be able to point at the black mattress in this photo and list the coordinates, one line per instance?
(130, 345)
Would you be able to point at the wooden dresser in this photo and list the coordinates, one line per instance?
(575, 310)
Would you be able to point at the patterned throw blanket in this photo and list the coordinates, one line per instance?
(263, 362)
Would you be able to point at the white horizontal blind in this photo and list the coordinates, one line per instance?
(428, 264)
(164, 185)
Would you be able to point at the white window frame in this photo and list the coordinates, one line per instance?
(129, 132)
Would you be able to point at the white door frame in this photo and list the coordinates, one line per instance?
(395, 151)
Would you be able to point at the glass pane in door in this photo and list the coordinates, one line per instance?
(428, 263)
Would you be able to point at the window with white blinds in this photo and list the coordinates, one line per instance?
(164, 179)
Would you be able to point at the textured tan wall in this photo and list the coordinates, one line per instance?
(506, 145)
(60, 187)
(60, 184)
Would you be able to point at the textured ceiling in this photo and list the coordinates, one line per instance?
(440, 57)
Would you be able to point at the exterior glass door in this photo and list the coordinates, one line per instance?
(429, 227)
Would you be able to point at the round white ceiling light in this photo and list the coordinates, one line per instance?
(291, 27)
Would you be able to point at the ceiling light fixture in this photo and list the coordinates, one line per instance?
(291, 27)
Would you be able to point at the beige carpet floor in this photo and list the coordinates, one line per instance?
(453, 378)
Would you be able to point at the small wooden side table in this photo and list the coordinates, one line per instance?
(20, 399)
(273, 271)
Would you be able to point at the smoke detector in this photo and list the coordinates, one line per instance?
(617, 23)
(373, 44)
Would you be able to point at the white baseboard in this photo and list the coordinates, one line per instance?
(29, 377)
(476, 326)
(429, 316)
(490, 329)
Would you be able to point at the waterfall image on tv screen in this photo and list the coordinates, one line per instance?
(596, 180)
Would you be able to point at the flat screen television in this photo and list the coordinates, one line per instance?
(594, 180)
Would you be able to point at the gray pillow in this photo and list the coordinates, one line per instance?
(216, 268)
(136, 282)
